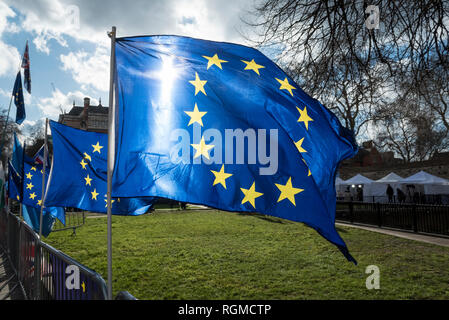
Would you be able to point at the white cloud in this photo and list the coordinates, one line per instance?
(10, 57)
(59, 102)
(87, 69)
(55, 21)
(90, 20)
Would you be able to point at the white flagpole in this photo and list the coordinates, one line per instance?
(43, 178)
(111, 155)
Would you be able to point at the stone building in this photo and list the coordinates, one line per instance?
(375, 165)
(87, 117)
(369, 156)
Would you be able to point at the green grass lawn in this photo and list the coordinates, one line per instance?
(210, 254)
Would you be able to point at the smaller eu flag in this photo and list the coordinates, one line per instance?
(26, 69)
(32, 190)
(78, 177)
(32, 217)
(18, 99)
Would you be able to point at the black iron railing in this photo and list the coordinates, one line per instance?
(418, 218)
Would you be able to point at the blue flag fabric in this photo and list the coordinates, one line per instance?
(32, 215)
(14, 183)
(32, 190)
(18, 99)
(17, 156)
(220, 124)
(79, 176)
(16, 163)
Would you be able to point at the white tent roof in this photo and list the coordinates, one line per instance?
(423, 177)
(390, 178)
(339, 181)
(358, 179)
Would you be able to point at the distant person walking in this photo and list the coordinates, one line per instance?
(401, 195)
(390, 193)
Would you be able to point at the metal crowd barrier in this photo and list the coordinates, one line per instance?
(417, 218)
(73, 220)
(44, 272)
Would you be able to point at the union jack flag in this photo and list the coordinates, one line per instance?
(26, 68)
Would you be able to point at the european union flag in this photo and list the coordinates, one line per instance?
(32, 191)
(79, 178)
(32, 217)
(220, 124)
(18, 99)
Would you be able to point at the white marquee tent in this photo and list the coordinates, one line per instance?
(427, 183)
(348, 188)
(379, 187)
(357, 180)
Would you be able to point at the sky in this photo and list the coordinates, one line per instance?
(70, 50)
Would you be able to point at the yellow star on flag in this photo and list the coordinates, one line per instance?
(304, 117)
(288, 191)
(33, 168)
(214, 61)
(252, 65)
(88, 180)
(87, 157)
(32, 196)
(18, 198)
(94, 194)
(202, 149)
(251, 194)
(97, 147)
(299, 145)
(285, 85)
(29, 175)
(39, 202)
(30, 186)
(83, 164)
(195, 115)
(198, 84)
(221, 176)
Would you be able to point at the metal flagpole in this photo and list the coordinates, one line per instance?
(111, 155)
(43, 179)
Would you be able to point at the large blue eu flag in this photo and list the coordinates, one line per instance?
(78, 176)
(220, 124)
(32, 191)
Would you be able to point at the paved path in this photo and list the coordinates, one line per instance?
(401, 234)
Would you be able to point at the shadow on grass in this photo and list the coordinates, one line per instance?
(263, 217)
